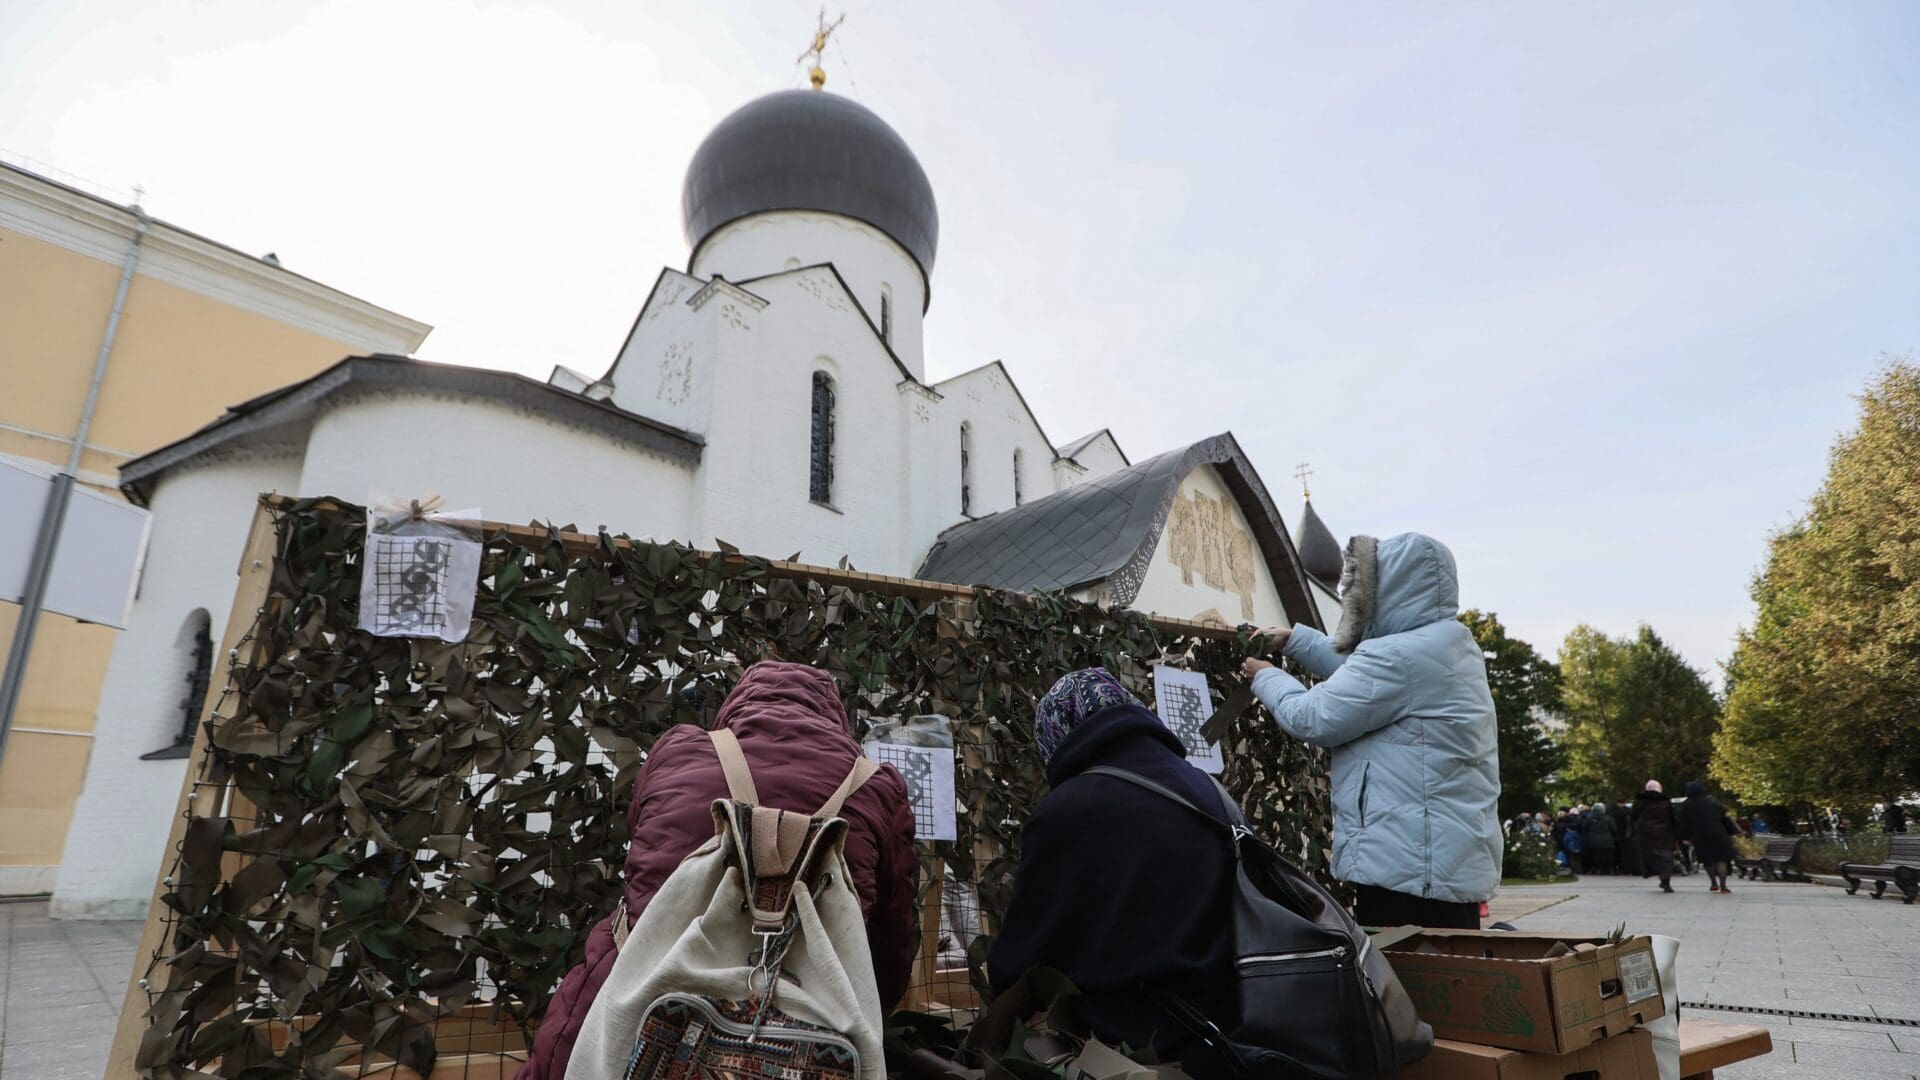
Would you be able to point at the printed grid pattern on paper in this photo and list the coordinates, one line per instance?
(410, 582)
(1184, 709)
(916, 765)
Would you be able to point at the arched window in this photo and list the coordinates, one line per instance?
(1019, 490)
(966, 470)
(196, 641)
(820, 460)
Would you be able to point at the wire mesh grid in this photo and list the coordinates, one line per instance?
(392, 850)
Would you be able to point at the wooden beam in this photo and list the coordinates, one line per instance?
(255, 573)
(926, 959)
(886, 584)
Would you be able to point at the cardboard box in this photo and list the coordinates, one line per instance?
(1536, 992)
(1625, 1057)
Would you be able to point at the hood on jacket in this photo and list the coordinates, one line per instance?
(1394, 585)
(774, 693)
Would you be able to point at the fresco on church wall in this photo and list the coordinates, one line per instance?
(1205, 536)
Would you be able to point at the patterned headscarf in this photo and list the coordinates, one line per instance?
(1078, 695)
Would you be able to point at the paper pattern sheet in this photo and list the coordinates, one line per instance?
(418, 586)
(1184, 704)
(929, 774)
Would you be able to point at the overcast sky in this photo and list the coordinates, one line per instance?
(1583, 290)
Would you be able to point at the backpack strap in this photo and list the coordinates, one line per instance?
(862, 771)
(733, 763)
(1165, 792)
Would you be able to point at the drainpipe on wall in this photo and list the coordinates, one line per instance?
(47, 542)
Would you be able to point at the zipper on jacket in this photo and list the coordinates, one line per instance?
(1366, 774)
(1337, 951)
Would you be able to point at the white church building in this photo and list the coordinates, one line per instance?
(772, 395)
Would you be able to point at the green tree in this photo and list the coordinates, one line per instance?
(1525, 685)
(1823, 700)
(1635, 712)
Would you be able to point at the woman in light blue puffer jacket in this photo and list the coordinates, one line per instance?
(1404, 707)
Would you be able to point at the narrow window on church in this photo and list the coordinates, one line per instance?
(199, 673)
(966, 469)
(820, 461)
(886, 318)
(1019, 492)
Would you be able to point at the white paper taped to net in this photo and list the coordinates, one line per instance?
(1184, 704)
(921, 747)
(419, 571)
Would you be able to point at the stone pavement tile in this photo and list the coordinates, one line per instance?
(1780, 1065)
(1828, 1001)
(1865, 1062)
(33, 1022)
(51, 1062)
(1907, 1039)
(1837, 1036)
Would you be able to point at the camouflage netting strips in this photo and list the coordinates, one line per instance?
(419, 827)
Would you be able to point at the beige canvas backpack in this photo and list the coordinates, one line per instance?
(751, 960)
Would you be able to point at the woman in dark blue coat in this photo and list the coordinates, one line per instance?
(1125, 895)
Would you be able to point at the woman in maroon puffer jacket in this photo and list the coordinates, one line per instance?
(799, 744)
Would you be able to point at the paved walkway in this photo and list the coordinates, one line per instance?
(61, 984)
(1804, 948)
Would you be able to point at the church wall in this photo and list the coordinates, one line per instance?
(754, 489)
(664, 370)
(1100, 457)
(514, 464)
(867, 258)
(1195, 569)
(1327, 602)
(201, 515)
(986, 400)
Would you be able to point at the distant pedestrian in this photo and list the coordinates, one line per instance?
(1655, 832)
(1598, 845)
(1758, 826)
(1705, 825)
(1629, 852)
(1571, 842)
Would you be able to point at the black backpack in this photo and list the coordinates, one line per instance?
(1313, 997)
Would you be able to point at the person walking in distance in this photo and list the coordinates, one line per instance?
(1654, 832)
(1704, 824)
(1404, 707)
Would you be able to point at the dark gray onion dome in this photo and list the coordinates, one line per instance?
(810, 150)
(1320, 554)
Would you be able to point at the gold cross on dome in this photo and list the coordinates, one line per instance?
(815, 72)
(1300, 473)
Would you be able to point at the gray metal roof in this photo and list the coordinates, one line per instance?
(299, 402)
(1321, 554)
(811, 150)
(1106, 529)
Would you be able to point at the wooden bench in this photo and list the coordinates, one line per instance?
(1706, 1045)
(1902, 867)
(1779, 862)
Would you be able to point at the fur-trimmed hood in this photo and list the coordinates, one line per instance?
(1394, 585)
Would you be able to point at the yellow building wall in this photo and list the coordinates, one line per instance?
(179, 359)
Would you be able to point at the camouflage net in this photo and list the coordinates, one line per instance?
(388, 832)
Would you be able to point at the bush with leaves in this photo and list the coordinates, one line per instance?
(1529, 857)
